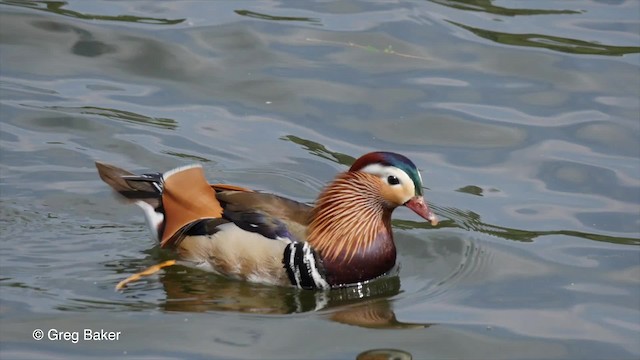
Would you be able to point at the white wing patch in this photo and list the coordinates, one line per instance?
(167, 174)
(154, 219)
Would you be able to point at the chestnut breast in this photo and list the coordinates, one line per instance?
(364, 264)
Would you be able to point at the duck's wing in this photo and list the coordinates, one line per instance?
(181, 202)
(270, 215)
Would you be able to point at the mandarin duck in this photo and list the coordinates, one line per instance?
(344, 239)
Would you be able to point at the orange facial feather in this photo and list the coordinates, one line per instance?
(348, 215)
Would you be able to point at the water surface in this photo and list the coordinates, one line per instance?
(522, 116)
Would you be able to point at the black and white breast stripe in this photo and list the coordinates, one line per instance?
(304, 267)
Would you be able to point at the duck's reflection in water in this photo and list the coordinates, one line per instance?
(367, 305)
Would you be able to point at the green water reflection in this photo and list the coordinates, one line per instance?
(556, 43)
(257, 15)
(127, 116)
(58, 7)
(488, 7)
(319, 150)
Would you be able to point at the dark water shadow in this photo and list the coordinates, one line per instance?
(58, 7)
(487, 6)
(115, 114)
(555, 43)
(319, 150)
(261, 16)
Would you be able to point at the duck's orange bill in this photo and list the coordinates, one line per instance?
(420, 207)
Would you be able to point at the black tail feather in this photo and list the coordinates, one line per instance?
(147, 187)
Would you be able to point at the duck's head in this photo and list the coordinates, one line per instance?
(350, 226)
(401, 181)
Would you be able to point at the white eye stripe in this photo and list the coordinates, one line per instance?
(385, 171)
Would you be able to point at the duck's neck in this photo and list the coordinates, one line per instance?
(350, 227)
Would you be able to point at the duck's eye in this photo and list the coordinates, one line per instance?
(392, 180)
